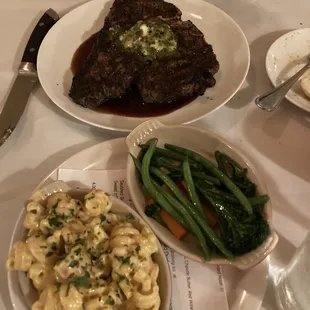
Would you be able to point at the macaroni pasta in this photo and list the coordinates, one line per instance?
(79, 256)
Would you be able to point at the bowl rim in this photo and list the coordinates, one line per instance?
(145, 130)
(57, 186)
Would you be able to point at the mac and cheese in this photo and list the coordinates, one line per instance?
(79, 256)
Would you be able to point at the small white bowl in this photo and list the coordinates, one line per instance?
(285, 57)
(205, 143)
(22, 292)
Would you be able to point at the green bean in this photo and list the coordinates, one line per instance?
(226, 197)
(217, 173)
(169, 154)
(191, 187)
(171, 211)
(160, 198)
(203, 186)
(137, 163)
(258, 200)
(175, 213)
(193, 227)
(150, 188)
(212, 237)
(208, 178)
(221, 157)
(220, 164)
(163, 152)
(174, 188)
(168, 163)
(201, 221)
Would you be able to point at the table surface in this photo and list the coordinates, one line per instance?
(275, 142)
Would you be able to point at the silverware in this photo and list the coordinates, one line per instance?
(269, 101)
(26, 77)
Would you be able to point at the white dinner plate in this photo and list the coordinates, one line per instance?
(245, 290)
(220, 30)
(285, 57)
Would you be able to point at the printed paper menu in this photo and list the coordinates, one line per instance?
(195, 286)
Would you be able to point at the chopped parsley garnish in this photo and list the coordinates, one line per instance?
(91, 197)
(83, 281)
(48, 254)
(63, 256)
(71, 212)
(77, 251)
(37, 236)
(81, 241)
(54, 206)
(48, 234)
(71, 275)
(58, 285)
(54, 222)
(43, 247)
(122, 278)
(68, 289)
(129, 217)
(126, 260)
(138, 248)
(123, 260)
(110, 301)
(54, 246)
(103, 218)
(74, 263)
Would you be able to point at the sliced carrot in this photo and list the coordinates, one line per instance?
(164, 170)
(176, 164)
(212, 219)
(150, 202)
(177, 230)
(183, 187)
(166, 188)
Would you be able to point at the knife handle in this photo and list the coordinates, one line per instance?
(45, 23)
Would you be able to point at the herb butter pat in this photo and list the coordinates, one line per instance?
(151, 39)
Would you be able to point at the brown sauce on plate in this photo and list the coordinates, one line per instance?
(131, 104)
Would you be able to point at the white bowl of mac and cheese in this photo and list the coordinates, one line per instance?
(85, 250)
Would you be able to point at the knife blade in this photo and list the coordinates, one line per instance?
(26, 78)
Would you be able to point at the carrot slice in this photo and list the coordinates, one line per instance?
(183, 187)
(212, 219)
(166, 188)
(177, 230)
(150, 202)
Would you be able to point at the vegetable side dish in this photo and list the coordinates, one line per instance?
(218, 204)
(79, 255)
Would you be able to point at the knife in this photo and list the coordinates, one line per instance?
(26, 78)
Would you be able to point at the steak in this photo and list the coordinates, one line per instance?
(111, 70)
(167, 81)
(187, 75)
(126, 13)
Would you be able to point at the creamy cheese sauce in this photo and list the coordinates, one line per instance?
(151, 39)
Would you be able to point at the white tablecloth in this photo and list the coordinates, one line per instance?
(277, 143)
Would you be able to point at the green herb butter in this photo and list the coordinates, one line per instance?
(150, 39)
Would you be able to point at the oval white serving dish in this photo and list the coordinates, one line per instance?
(205, 143)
